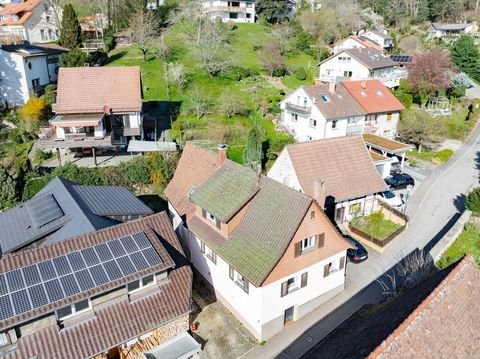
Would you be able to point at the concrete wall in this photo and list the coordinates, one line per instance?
(13, 85)
(336, 68)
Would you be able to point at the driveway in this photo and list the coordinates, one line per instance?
(473, 92)
(433, 209)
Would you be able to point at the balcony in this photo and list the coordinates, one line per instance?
(297, 108)
(73, 140)
(237, 9)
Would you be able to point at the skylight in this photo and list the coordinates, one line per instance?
(324, 98)
(379, 93)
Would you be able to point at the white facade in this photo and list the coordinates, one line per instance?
(305, 121)
(342, 66)
(236, 11)
(384, 41)
(348, 43)
(20, 75)
(382, 124)
(441, 30)
(42, 26)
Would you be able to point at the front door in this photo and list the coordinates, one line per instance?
(288, 316)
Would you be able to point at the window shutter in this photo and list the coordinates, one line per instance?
(342, 263)
(320, 240)
(304, 280)
(214, 257)
(326, 270)
(298, 249)
(245, 285)
(217, 223)
(202, 247)
(230, 272)
(204, 213)
(284, 289)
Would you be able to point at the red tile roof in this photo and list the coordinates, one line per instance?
(344, 163)
(22, 9)
(445, 324)
(373, 96)
(195, 166)
(97, 89)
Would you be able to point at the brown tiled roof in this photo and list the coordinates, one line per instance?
(445, 325)
(344, 163)
(22, 8)
(113, 325)
(383, 143)
(155, 227)
(373, 96)
(96, 89)
(363, 41)
(340, 104)
(195, 166)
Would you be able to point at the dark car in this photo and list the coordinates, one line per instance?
(357, 254)
(401, 180)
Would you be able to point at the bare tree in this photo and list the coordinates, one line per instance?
(176, 74)
(200, 103)
(212, 48)
(230, 104)
(191, 12)
(143, 28)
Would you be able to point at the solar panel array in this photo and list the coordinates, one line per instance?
(44, 209)
(39, 284)
(401, 58)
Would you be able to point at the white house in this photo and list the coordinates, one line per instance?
(236, 11)
(361, 64)
(25, 71)
(346, 109)
(270, 253)
(339, 171)
(439, 30)
(321, 111)
(355, 42)
(381, 37)
(35, 21)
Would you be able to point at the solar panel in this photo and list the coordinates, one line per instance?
(139, 261)
(141, 240)
(69, 285)
(112, 270)
(76, 261)
(44, 209)
(116, 248)
(129, 244)
(103, 252)
(3, 285)
(126, 265)
(61, 265)
(38, 295)
(54, 290)
(6, 309)
(15, 280)
(84, 279)
(90, 256)
(47, 270)
(98, 274)
(21, 301)
(31, 274)
(152, 256)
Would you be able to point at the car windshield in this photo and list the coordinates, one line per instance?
(388, 194)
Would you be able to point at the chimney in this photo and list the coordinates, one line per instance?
(332, 86)
(319, 192)
(222, 154)
(363, 84)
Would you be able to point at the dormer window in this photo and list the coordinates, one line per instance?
(324, 98)
(73, 309)
(211, 218)
(141, 283)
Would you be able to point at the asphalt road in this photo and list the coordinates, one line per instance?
(433, 209)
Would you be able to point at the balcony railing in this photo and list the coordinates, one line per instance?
(228, 8)
(298, 108)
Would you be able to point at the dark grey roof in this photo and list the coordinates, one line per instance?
(371, 58)
(34, 50)
(450, 27)
(80, 213)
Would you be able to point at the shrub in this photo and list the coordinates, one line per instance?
(135, 171)
(300, 74)
(442, 156)
(109, 43)
(473, 201)
(279, 72)
(50, 94)
(41, 156)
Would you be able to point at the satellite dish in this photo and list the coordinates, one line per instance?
(106, 109)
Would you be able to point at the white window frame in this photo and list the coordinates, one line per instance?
(334, 266)
(74, 309)
(294, 285)
(141, 283)
(294, 117)
(239, 279)
(4, 339)
(334, 125)
(211, 217)
(307, 244)
(210, 254)
(313, 123)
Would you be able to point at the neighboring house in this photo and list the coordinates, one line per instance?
(236, 11)
(382, 107)
(439, 30)
(346, 109)
(356, 42)
(338, 172)
(25, 71)
(63, 209)
(402, 61)
(97, 108)
(444, 325)
(270, 252)
(114, 293)
(92, 27)
(386, 147)
(34, 21)
(361, 64)
(321, 111)
(381, 37)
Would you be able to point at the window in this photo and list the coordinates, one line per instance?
(347, 74)
(47, 18)
(50, 34)
(239, 279)
(293, 284)
(324, 98)
(235, 4)
(305, 102)
(42, 34)
(355, 208)
(208, 252)
(334, 124)
(312, 215)
(334, 266)
(309, 138)
(307, 244)
(249, 16)
(211, 218)
(4, 339)
(233, 15)
(249, 4)
(313, 123)
(386, 133)
(389, 116)
(141, 283)
(294, 117)
(35, 82)
(73, 309)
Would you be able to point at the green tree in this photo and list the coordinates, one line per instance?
(465, 55)
(418, 127)
(74, 58)
(268, 9)
(8, 189)
(253, 155)
(424, 10)
(473, 201)
(70, 32)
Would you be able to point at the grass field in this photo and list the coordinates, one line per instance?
(467, 243)
(244, 41)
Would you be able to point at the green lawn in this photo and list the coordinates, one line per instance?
(245, 41)
(467, 243)
(436, 157)
(380, 229)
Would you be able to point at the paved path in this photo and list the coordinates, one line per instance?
(433, 209)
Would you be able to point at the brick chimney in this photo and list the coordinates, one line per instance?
(319, 192)
(222, 154)
(332, 86)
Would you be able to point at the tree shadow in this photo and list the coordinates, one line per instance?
(158, 117)
(477, 164)
(459, 202)
(115, 57)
